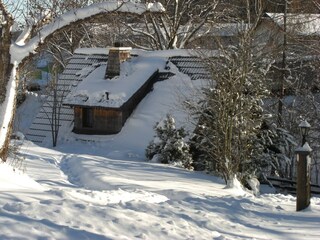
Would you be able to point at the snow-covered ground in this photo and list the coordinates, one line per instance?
(77, 192)
(101, 187)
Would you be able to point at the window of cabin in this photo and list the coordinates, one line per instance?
(87, 117)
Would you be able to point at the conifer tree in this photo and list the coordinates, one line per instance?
(169, 146)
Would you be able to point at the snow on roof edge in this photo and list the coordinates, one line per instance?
(156, 53)
(302, 24)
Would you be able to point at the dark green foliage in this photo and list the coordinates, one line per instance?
(168, 145)
(277, 144)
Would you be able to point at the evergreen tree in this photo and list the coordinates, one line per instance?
(169, 146)
(275, 143)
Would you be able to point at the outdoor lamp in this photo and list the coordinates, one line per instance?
(304, 130)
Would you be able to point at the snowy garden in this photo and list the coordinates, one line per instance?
(196, 153)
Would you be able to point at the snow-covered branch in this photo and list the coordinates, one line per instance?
(169, 28)
(5, 13)
(76, 16)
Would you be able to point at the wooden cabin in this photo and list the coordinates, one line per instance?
(107, 120)
(105, 98)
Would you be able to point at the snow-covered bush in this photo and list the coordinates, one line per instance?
(21, 97)
(229, 113)
(169, 146)
(254, 185)
(15, 159)
(278, 151)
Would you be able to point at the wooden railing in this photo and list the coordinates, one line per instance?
(289, 186)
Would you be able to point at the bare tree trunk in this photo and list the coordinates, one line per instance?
(56, 109)
(5, 42)
(5, 66)
(284, 65)
(56, 95)
(54, 127)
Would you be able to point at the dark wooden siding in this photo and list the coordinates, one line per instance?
(105, 121)
(77, 118)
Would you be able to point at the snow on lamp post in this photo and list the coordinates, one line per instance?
(303, 169)
(304, 130)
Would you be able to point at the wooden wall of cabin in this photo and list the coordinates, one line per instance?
(105, 121)
(77, 119)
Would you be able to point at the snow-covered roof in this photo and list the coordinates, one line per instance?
(301, 24)
(223, 29)
(228, 29)
(160, 53)
(95, 90)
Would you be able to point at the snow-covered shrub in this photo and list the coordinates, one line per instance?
(15, 159)
(169, 146)
(229, 113)
(254, 185)
(198, 145)
(21, 97)
(277, 145)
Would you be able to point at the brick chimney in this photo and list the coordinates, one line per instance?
(117, 55)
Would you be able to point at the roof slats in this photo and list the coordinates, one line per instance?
(192, 66)
(40, 129)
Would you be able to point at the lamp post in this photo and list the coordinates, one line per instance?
(303, 169)
(304, 130)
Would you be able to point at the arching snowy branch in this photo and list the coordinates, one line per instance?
(77, 16)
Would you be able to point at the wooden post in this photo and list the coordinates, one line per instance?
(303, 177)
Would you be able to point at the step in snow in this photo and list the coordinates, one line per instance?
(41, 127)
(35, 137)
